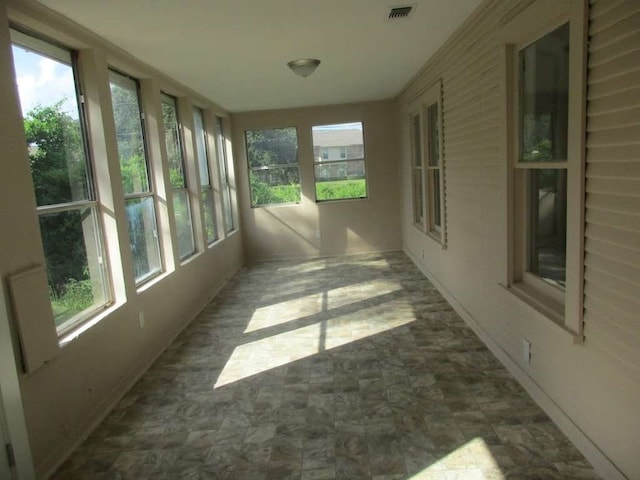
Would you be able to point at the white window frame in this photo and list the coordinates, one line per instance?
(539, 19)
(170, 99)
(208, 187)
(424, 213)
(48, 48)
(151, 193)
(226, 200)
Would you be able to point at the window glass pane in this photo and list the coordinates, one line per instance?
(435, 195)
(548, 224)
(337, 179)
(75, 267)
(277, 185)
(182, 212)
(417, 142)
(201, 146)
(273, 165)
(55, 140)
(340, 180)
(434, 138)
(172, 142)
(224, 181)
(418, 195)
(544, 98)
(209, 214)
(143, 236)
(337, 142)
(129, 133)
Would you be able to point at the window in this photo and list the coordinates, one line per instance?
(206, 192)
(134, 166)
(547, 165)
(272, 155)
(227, 207)
(68, 212)
(177, 177)
(427, 171)
(338, 160)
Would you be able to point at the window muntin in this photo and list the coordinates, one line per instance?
(134, 167)
(221, 151)
(542, 166)
(61, 170)
(206, 190)
(339, 161)
(272, 155)
(177, 177)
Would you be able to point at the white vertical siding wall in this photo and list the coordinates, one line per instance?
(591, 390)
(612, 257)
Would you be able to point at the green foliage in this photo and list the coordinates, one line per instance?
(134, 174)
(341, 189)
(77, 296)
(264, 194)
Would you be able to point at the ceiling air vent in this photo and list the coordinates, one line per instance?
(401, 12)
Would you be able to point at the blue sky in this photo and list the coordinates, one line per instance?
(42, 80)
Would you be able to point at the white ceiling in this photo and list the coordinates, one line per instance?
(234, 52)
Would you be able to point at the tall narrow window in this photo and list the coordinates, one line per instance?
(417, 171)
(541, 166)
(138, 192)
(433, 169)
(61, 170)
(206, 192)
(338, 160)
(273, 166)
(227, 206)
(427, 164)
(177, 177)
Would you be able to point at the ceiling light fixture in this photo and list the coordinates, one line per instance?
(304, 66)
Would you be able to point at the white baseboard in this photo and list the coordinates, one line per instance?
(604, 466)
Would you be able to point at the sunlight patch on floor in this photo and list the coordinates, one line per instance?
(471, 461)
(305, 306)
(271, 352)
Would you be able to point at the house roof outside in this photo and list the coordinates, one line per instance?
(337, 138)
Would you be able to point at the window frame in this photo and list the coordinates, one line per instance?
(342, 160)
(151, 193)
(539, 19)
(200, 112)
(424, 174)
(165, 98)
(52, 49)
(226, 200)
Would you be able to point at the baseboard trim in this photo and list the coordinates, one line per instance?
(55, 460)
(603, 465)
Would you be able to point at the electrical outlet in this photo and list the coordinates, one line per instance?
(526, 351)
(141, 319)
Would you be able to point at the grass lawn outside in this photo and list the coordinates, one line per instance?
(341, 189)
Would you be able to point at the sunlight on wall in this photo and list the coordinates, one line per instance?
(473, 460)
(305, 306)
(333, 329)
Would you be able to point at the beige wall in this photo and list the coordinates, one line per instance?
(590, 389)
(345, 227)
(64, 399)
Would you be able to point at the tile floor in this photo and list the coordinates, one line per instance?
(342, 368)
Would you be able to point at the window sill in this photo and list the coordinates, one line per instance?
(74, 332)
(543, 307)
(338, 200)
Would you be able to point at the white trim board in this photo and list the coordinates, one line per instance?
(592, 453)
